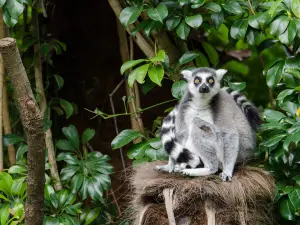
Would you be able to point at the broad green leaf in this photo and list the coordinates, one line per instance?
(267, 43)
(212, 53)
(183, 2)
(11, 139)
(71, 220)
(71, 159)
(72, 135)
(273, 116)
(183, 30)
(2, 2)
(294, 197)
(129, 15)
(14, 8)
(279, 25)
(287, 209)
(282, 95)
(188, 57)
(94, 189)
(213, 7)
(151, 154)
(17, 169)
(87, 135)
(73, 209)
(137, 151)
(92, 215)
(217, 18)
(152, 25)
(237, 86)
(290, 107)
(49, 190)
(140, 26)
(197, 2)
(129, 64)
(172, 22)
(103, 180)
(272, 126)
(159, 13)
(233, 7)
(156, 74)
(59, 81)
(62, 197)
(289, 34)
(201, 60)
(48, 220)
(4, 213)
(294, 137)
(194, 21)
(256, 21)
(138, 74)
(238, 29)
(160, 56)
(76, 182)
(6, 183)
(65, 145)
(68, 172)
(124, 138)
(18, 187)
(274, 74)
(179, 88)
(8, 19)
(155, 143)
(67, 106)
(273, 140)
(295, 7)
(147, 86)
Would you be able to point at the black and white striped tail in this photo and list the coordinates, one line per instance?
(250, 111)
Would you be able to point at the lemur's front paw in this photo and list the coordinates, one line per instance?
(225, 177)
(165, 168)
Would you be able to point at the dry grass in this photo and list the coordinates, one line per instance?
(251, 191)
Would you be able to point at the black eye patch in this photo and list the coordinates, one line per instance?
(197, 80)
(210, 81)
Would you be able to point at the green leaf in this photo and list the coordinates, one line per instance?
(9, 21)
(62, 197)
(152, 25)
(67, 106)
(183, 2)
(18, 187)
(14, 8)
(273, 116)
(159, 13)
(272, 126)
(172, 22)
(76, 182)
(2, 2)
(183, 30)
(273, 140)
(71, 220)
(160, 56)
(233, 7)
(197, 2)
(87, 135)
(4, 213)
(129, 64)
(6, 183)
(137, 151)
(129, 15)
(72, 135)
(155, 143)
(279, 25)
(274, 74)
(151, 154)
(288, 36)
(212, 53)
(11, 139)
(138, 74)
(188, 57)
(92, 215)
(71, 159)
(20, 153)
(295, 7)
(156, 74)
(237, 86)
(217, 18)
(59, 81)
(179, 88)
(213, 7)
(290, 107)
(48, 220)
(73, 209)
(68, 172)
(94, 189)
(238, 29)
(282, 95)
(147, 86)
(124, 138)
(65, 145)
(294, 197)
(201, 60)
(287, 210)
(294, 137)
(17, 169)
(194, 21)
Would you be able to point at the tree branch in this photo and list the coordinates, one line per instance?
(32, 120)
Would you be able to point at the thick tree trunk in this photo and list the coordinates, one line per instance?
(43, 105)
(5, 108)
(32, 120)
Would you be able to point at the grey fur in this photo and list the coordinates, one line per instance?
(212, 126)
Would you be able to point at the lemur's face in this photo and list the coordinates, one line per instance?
(204, 81)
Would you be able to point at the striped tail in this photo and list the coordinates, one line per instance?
(250, 111)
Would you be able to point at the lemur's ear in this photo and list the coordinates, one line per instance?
(220, 73)
(186, 74)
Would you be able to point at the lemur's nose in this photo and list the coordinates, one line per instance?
(204, 88)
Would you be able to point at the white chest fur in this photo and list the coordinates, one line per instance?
(204, 114)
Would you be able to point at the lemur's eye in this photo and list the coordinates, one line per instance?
(197, 81)
(211, 81)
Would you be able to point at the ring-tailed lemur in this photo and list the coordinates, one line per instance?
(213, 125)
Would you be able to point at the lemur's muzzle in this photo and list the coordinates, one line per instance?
(204, 88)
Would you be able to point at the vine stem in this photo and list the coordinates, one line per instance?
(251, 8)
